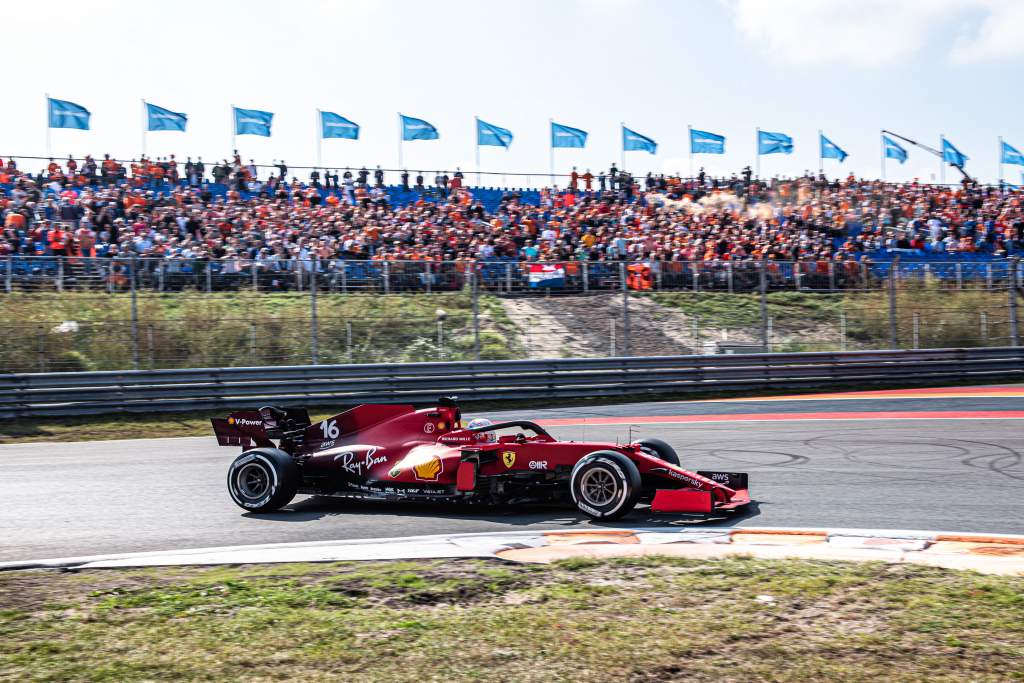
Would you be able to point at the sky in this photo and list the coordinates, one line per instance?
(921, 68)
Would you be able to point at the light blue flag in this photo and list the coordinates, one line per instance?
(1010, 155)
(774, 143)
(64, 114)
(703, 142)
(490, 134)
(253, 122)
(830, 150)
(334, 126)
(952, 155)
(634, 142)
(567, 136)
(158, 118)
(417, 129)
(893, 150)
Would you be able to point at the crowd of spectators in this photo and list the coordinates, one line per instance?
(159, 208)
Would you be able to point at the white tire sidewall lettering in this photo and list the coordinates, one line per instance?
(267, 465)
(611, 466)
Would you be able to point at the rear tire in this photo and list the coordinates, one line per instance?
(605, 485)
(660, 450)
(263, 480)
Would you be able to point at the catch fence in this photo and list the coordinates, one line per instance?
(81, 319)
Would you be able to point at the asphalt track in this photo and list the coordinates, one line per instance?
(948, 460)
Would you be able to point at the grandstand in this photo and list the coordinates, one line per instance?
(698, 233)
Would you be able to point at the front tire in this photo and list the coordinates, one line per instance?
(263, 480)
(660, 450)
(605, 485)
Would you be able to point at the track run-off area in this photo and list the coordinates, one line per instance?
(934, 459)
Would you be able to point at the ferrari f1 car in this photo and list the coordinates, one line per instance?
(395, 452)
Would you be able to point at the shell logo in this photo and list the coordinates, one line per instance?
(429, 470)
(231, 420)
(425, 465)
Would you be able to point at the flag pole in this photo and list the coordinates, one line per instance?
(821, 159)
(233, 129)
(477, 134)
(881, 144)
(48, 122)
(144, 126)
(551, 150)
(757, 148)
(622, 154)
(689, 141)
(400, 141)
(319, 138)
(1000, 160)
(942, 158)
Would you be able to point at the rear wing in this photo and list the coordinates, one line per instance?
(244, 427)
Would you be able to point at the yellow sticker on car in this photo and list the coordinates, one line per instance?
(509, 458)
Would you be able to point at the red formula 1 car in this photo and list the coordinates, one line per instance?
(395, 452)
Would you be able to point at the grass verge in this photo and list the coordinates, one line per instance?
(631, 619)
(79, 331)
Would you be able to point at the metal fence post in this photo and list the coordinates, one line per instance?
(763, 287)
(387, 276)
(314, 323)
(440, 338)
(508, 278)
(831, 276)
(586, 277)
(344, 278)
(255, 278)
(474, 289)
(728, 272)
(842, 330)
(893, 328)
(626, 341)
(132, 270)
(252, 342)
(917, 329)
(9, 277)
(348, 341)
(611, 337)
(149, 339)
(698, 346)
(771, 331)
(41, 348)
(983, 323)
(430, 276)
(60, 274)
(1014, 283)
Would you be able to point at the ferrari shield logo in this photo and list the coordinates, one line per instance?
(509, 458)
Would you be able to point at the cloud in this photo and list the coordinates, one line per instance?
(874, 33)
(1000, 35)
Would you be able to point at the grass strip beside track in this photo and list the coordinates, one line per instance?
(629, 619)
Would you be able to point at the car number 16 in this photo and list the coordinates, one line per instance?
(330, 429)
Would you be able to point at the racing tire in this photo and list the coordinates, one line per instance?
(263, 480)
(605, 485)
(660, 450)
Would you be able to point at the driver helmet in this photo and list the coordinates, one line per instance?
(483, 422)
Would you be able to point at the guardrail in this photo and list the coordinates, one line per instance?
(84, 393)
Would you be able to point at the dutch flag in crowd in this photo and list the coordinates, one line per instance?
(546, 275)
